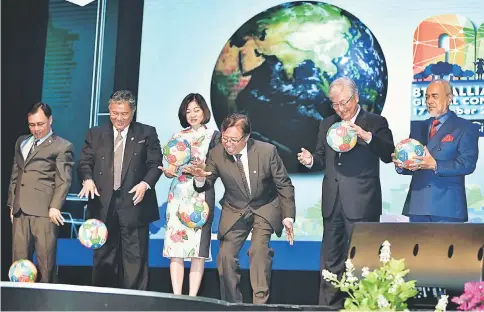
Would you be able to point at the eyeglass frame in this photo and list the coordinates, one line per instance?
(342, 104)
(232, 140)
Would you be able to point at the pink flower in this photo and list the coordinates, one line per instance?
(182, 178)
(472, 298)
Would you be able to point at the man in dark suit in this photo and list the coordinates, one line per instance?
(259, 198)
(351, 184)
(118, 168)
(437, 190)
(41, 178)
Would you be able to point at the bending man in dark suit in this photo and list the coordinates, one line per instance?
(259, 197)
(118, 168)
(351, 184)
(437, 190)
(41, 178)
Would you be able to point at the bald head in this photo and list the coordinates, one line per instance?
(438, 97)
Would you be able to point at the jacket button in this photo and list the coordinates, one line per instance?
(25, 171)
(102, 157)
(100, 173)
(22, 184)
(135, 154)
(336, 180)
(428, 185)
(440, 149)
(339, 164)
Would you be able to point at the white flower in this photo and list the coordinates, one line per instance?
(382, 302)
(352, 279)
(398, 280)
(385, 252)
(349, 265)
(327, 275)
(442, 304)
(365, 271)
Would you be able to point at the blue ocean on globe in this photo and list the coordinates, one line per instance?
(277, 68)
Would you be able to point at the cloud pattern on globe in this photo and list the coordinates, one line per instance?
(277, 68)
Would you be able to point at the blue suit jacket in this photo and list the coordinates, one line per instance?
(442, 192)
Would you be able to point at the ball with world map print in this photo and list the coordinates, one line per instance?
(277, 68)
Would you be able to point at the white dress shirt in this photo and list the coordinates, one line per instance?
(124, 135)
(353, 119)
(26, 145)
(245, 162)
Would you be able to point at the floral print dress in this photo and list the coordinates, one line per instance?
(180, 240)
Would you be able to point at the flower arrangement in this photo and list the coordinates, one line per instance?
(473, 297)
(381, 289)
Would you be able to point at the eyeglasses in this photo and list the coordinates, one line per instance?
(39, 124)
(342, 105)
(232, 140)
(123, 115)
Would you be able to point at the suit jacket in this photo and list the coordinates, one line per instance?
(442, 192)
(142, 156)
(272, 193)
(42, 181)
(354, 174)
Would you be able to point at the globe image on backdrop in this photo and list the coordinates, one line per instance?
(277, 68)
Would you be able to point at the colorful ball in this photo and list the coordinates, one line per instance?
(177, 151)
(407, 149)
(22, 271)
(195, 215)
(341, 137)
(93, 233)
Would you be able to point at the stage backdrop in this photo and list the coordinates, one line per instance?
(274, 60)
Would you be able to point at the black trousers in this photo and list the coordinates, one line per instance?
(122, 261)
(334, 251)
(36, 233)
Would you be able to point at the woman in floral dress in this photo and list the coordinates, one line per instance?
(181, 242)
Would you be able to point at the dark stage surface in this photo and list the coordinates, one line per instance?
(60, 297)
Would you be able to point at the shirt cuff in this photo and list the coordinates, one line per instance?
(369, 140)
(311, 163)
(288, 219)
(148, 187)
(199, 183)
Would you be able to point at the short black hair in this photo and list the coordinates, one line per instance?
(42, 106)
(237, 119)
(182, 111)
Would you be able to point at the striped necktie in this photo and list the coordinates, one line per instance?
(32, 149)
(118, 160)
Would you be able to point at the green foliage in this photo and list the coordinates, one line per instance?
(381, 289)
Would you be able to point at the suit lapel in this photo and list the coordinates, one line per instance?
(253, 157)
(445, 129)
(234, 171)
(18, 151)
(131, 140)
(108, 140)
(44, 144)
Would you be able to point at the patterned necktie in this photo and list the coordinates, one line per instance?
(433, 130)
(32, 149)
(118, 160)
(240, 166)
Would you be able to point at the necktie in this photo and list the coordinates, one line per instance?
(433, 129)
(118, 160)
(240, 166)
(32, 149)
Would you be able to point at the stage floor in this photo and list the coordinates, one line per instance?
(62, 297)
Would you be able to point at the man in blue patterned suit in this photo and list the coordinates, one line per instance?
(437, 190)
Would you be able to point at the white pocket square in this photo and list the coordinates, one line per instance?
(142, 141)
